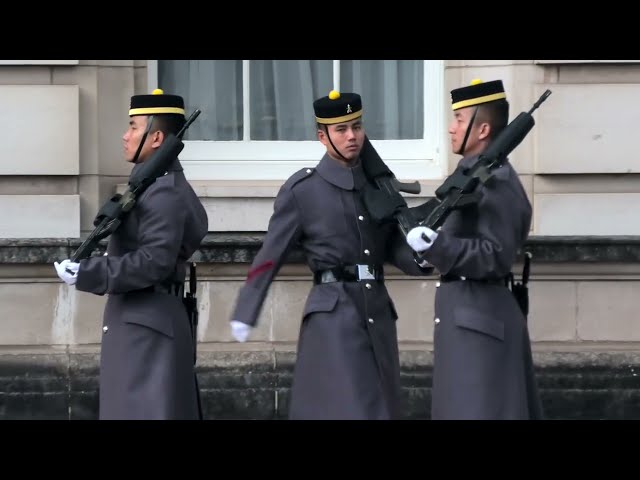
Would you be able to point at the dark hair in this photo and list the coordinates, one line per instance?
(322, 126)
(168, 123)
(325, 127)
(495, 114)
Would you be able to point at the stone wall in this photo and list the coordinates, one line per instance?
(579, 378)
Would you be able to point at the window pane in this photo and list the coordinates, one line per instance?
(392, 96)
(213, 86)
(282, 95)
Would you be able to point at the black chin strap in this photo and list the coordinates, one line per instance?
(144, 138)
(326, 129)
(466, 135)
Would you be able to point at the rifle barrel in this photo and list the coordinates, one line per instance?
(189, 121)
(542, 98)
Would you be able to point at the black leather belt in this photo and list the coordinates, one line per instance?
(488, 281)
(349, 273)
(176, 289)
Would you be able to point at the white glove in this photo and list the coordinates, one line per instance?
(416, 240)
(240, 331)
(67, 271)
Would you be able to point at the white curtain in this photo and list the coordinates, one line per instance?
(282, 94)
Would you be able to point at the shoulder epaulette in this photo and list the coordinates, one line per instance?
(299, 176)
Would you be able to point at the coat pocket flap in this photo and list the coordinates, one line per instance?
(479, 321)
(322, 300)
(158, 323)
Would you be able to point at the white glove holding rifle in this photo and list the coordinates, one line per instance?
(420, 239)
(67, 271)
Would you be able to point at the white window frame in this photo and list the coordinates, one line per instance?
(277, 160)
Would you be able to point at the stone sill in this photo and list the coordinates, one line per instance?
(413, 355)
(240, 248)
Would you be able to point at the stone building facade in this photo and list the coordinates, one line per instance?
(60, 143)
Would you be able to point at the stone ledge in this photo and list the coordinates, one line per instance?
(241, 247)
(256, 384)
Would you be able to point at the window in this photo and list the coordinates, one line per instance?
(257, 120)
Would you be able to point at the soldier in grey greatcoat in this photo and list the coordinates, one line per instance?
(347, 363)
(146, 365)
(483, 366)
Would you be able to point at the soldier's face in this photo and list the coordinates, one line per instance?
(132, 137)
(458, 129)
(347, 138)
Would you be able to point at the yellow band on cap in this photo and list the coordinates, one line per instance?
(479, 100)
(345, 118)
(155, 110)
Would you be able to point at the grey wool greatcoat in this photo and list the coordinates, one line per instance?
(347, 364)
(146, 362)
(483, 367)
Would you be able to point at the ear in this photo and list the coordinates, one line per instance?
(485, 131)
(157, 138)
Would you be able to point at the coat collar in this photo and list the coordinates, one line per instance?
(175, 166)
(469, 162)
(347, 178)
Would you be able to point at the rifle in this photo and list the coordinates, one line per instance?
(381, 195)
(459, 190)
(384, 202)
(112, 213)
